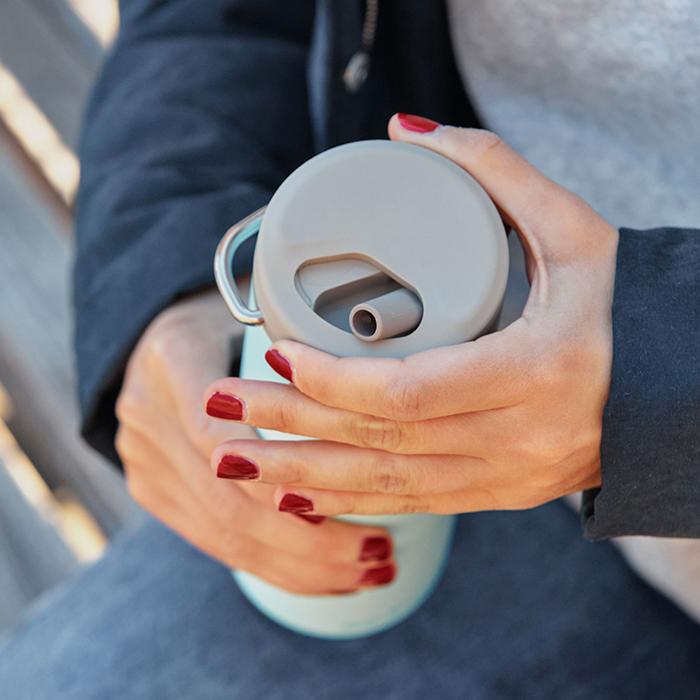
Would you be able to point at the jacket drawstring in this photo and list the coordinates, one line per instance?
(357, 69)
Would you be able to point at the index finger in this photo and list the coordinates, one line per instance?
(490, 372)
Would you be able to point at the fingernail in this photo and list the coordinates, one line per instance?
(222, 405)
(412, 122)
(379, 576)
(279, 363)
(293, 503)
(375, 549)
(315, 519)
(235, 467)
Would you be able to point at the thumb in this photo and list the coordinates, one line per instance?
(534, 205)
(203, 355)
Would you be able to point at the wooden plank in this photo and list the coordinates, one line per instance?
(53, 55)
(26, 168)
(36, 356)
(33, 557)
(101, 16)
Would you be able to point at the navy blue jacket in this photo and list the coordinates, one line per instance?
(203, 108)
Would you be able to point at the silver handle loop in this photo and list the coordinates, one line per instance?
(226, 251)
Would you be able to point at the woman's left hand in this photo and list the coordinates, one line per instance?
(511, 420)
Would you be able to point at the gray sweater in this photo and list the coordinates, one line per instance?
(604, 98)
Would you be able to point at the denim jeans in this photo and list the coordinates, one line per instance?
(526, 609)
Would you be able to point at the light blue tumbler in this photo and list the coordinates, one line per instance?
(380, 249)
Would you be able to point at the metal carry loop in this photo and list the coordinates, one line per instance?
(226, 251)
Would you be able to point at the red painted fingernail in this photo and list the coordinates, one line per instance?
(293, 503)
(222, 405)
(379, 576)
(235, 467)
(279, 363)
(314, 519)
(375, 549)
(412, 122)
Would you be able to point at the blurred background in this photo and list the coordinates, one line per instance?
(59, 502)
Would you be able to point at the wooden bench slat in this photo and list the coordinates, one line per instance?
(53, 55)
(36, 356)
(33, 558)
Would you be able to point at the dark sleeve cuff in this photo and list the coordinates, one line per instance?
(650, 451)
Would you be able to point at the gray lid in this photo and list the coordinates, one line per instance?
(358, 223)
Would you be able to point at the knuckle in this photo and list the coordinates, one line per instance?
(405, 401)
(159, 348)
(197, 426)
(125, 442)
(127, 407)
(478, 141)
(384, 434)
(411, 505)
(163, 346)
(483, 141)
(292, 471)
(388, 476)
(282, 416)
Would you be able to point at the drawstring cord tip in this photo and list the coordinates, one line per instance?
(356, 72)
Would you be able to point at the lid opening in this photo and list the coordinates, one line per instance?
(358, 297)
(363, 322)
(391, 315)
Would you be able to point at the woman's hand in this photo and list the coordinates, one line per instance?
(165, 441)
(511, 420)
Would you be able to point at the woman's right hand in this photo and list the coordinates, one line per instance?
(165, 440)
